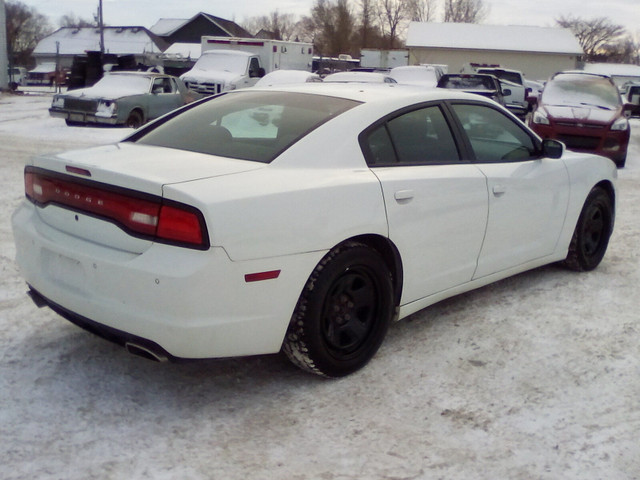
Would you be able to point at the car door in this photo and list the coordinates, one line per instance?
(436, 205)
(164, 97)
(528, 195)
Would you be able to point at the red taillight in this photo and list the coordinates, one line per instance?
(179, 225)
(139, 214)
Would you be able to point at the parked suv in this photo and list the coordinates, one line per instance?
(586, 113)
(631, 90)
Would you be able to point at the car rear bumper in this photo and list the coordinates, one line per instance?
(179, 302)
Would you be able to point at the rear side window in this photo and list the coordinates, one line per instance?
(418, 137)
(246, 125)
(494, 137)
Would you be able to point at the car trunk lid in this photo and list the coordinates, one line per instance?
(113, 195)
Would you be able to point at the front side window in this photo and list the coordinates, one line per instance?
(418, 137)
(246, 125)
(494, 137)
(254, 67)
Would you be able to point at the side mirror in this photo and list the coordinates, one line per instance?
(506, 92)
(552, 148)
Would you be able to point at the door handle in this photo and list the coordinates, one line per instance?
(403, 196)
(499, 190)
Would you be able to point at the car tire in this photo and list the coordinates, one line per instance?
(620, 163)
(593, 230)
(343, 313)
(134, 120)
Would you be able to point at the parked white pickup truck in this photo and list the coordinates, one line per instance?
(231, 63)
(512, 80)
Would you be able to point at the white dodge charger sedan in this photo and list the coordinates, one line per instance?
(304, 218)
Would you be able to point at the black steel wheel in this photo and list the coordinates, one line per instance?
(343, 313)
(593, 230)
(134, 120)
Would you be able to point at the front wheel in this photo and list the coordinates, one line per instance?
(343, 313)
(591, 236)
(134, 120)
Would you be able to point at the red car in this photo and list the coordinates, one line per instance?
(586, 113)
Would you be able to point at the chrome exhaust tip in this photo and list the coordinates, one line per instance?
(144, 352)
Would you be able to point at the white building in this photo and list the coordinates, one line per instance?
(620, 72)
(536, 51)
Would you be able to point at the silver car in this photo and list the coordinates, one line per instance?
(122, 98)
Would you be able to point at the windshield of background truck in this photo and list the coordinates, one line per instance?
(222, 62)
(476, 82)
(581, 90)
(504, 75)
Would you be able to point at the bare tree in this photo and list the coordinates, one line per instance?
(392, 14)
(70, 20)
(625, 50)
(25, 28)
(592, 34)
(280, 26)
(366, 18)
(465, 11)
(421, 10)
(332, 26)
(345, 26)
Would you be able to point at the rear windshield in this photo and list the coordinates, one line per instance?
(248, 125)
(467, 82)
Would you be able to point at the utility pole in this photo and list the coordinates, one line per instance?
(4, 49)
(101, 26)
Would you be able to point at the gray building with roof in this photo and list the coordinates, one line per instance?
(191, 30)
(536, 51)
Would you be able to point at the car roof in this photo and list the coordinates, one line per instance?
(240, 53)
(138, 74)
(364, 77)
(581, 73)
(468, 75)
(376, 92)
(278, 77)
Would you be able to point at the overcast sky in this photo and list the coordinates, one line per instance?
(514, 12)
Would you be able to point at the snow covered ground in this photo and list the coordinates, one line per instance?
(535, 377)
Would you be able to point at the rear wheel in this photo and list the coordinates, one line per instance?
(343, 313)
(591, 236)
